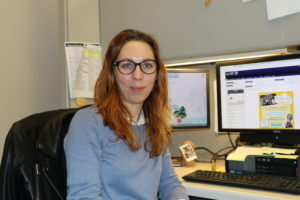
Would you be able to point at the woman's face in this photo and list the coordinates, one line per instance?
(136, 86)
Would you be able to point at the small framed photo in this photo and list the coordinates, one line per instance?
(188, 152)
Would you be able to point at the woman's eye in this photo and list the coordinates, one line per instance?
(147, 65)
(127, 65)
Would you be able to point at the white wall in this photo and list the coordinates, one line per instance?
(32, 73)
(189, 29)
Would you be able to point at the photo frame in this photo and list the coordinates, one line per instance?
(188, 98)
(188, 152)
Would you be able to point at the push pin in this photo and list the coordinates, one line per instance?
(207, 2)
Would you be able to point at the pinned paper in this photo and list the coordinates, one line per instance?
(84, 64)
(281, 8)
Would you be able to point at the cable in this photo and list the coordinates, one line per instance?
(217, 154)
(206, 149)
(230, 140)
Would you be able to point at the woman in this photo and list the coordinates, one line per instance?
(117, 149)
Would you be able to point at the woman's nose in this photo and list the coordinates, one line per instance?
(138, 74)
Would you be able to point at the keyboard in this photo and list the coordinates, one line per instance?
(257, 181)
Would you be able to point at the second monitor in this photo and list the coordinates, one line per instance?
(261, 96)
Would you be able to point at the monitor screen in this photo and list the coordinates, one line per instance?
(260, 95)
(188, 98)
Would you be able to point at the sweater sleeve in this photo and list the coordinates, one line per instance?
(170, 187)
(83, 157)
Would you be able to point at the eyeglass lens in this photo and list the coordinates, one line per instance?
(128, 66)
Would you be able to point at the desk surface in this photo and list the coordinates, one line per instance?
(220, 192)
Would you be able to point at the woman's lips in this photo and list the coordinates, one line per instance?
(137, 89)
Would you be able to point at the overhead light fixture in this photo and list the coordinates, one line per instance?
(211, 60)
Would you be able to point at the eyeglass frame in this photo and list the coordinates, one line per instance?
(116, 64)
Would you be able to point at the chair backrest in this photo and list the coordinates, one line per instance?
(33, 161)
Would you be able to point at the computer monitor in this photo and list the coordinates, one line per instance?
(260, 98)
(189, 98)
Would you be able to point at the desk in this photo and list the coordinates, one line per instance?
(220, 192)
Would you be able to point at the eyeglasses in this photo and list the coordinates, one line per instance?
(128, 66)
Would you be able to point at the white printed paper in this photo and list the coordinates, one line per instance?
(84, 65)
(281, 8)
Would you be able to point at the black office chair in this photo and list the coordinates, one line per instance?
(33, 161)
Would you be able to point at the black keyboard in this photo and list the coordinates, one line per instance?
(257, 181)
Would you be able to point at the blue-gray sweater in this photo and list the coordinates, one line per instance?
(99, 167)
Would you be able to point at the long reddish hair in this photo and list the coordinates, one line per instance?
(156, 109)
